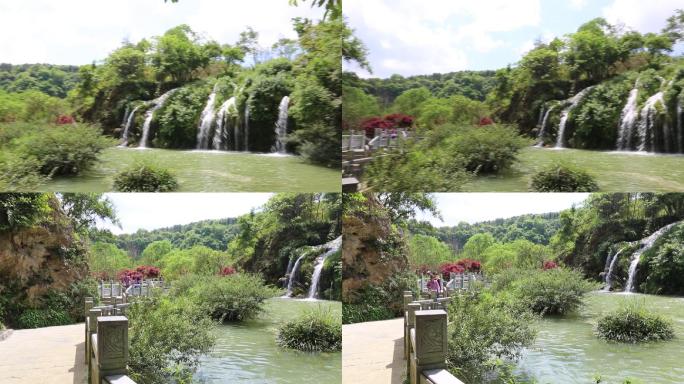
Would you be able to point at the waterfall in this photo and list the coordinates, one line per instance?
(647, 120)
(680, 143)
(608, 279)
(628, 120)
(247, 127)
(331, 247)
(206, 121)
(293, 274)
(223, 124)
(287, 273)
(149, 115)
(281, 125)
(127, 127)
(545, 121)
(574, 102)
(646, 244)
(125, 118)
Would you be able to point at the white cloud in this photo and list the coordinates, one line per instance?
(159, 210)
(478, 207)
(578, 4)
(644, 16)
(435, 36)
(80, 31)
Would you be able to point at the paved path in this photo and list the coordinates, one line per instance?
(53, 355)
(373, 353)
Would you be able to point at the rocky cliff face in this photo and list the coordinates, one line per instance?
(36, 260)
(372, 251)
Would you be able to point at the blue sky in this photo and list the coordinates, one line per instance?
(159, 210)
(478, 207)
(80, 31)
(411, 37)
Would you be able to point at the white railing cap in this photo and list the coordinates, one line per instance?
(440, 376)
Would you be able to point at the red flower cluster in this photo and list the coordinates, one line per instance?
(128, 277)
(461, 266)
(227, 271)
(485, 121)
(64, 119)
(148, 272)
(396, 120)
(548, 264)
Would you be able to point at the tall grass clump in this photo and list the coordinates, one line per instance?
(317, 330)
(634, 323)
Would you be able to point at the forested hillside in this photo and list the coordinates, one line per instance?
(52, 80)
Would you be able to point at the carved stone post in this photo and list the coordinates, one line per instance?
(431, 342)
(89, 304)
(112, 346)
(408, 298)
(93, 314)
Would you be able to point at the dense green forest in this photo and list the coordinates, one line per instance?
(603, 87)
(52, 80)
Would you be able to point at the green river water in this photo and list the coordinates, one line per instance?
(208, 171)
(614, 171)
(248, 353)
(566, 350)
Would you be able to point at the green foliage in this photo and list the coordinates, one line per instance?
(62, 150)
(167, 338)
(356, 106)
(107, 259)
(634, 323)
(483, 330)
(477, 245)
(428, 250)
(663, 265)
(554, 292)
(178, 53)
(520, 253)
(563, 178)
(22, 210)
(155, 252)
(145, 178)
(31, 106)
(53, 80)
(489, 149)
(235, 297)
(317, 330)
(370, 304)
(178, 119)
(265, 94)
(39, 318)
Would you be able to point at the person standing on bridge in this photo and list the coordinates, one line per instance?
(434, 284)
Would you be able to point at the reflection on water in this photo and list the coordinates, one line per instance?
(208, 171)
(247, 352)
(567, 351)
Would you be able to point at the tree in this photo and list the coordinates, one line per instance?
(333, 8)
(411, 101)
(286, 48)
(356, 106)
(178, 53)
(402, 206)
(249, 43)
(477, 245)
(85, 209)
(428, 250)
(154, 253)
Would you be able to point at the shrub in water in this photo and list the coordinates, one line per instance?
(553, 292)
(167, 338)
(145, 178)
(235, 297)
(317, 330)
(633, 323)
(488, 149)
(563, 178)
(63, 150)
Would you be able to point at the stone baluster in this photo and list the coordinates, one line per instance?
(89, 304)
(112, 349)
(430, 343)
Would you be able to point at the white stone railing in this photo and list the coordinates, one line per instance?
(425, 341)
(106, 343)
(110, 290)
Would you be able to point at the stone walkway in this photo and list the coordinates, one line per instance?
(373, 353)
(53, 355)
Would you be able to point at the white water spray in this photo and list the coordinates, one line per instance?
(544, 123)
(149, 115)
(628, 120)
(647, 122)
(127, 127)
(247, 115)
(565, 115)
(331, 247)
(223, 122)
(281, 125)
(646, 244)
(293, 274)
(206, 121)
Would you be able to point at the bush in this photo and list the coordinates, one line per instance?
(167, 339)
(237, 297)
(663, 266)
(552, 292)
(63, 150)
(145, 178)
(20, 174)
(483, 330)
(39, 318)
(633, 323)
(488, 149)
(316, 331)
(563, 178)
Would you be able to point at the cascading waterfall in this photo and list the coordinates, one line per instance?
(247, 127)
(293, 274)
(206, 121)
(157, 104)
(545, 121)
(610, 264)
(281, 125)
(647, 121)
(127, 127)
(574, 102)
(331, 247)
(646, 244)
(628, 120)
(287, 273)
(223, 124)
